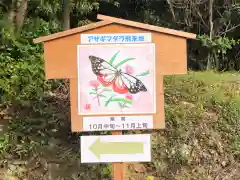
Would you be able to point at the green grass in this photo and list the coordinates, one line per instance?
(201, 140)
(202, 136)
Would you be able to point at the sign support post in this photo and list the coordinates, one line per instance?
(118, 168)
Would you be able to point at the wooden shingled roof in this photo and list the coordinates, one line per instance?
(110, 20)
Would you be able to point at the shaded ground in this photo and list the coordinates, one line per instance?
(201, 140)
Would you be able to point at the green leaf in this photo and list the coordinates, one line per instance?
(144, 74)
(113, 58)
(121, 100)
(101, 95)
(106, 171)
(108, 101)
(92, 93)
(105, 89)
(124, 61)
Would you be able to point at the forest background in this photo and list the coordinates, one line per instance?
(33, 108)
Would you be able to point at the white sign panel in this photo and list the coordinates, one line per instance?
(125, 38)
(116, 148)
(116, 79)
(110, 123)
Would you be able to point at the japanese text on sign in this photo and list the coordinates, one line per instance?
(115, 38)
(117, 123)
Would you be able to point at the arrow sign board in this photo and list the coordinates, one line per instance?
(116, 148)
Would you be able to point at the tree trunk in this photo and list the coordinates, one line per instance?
(217, 60)
(209, 63)
(66, 14)
(21, 13)
(12, 12)
(66, 25)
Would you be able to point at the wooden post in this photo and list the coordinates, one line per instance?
(118, 168)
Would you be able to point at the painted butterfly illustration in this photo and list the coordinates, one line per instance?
(109, 75)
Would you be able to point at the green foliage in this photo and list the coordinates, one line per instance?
(218, 48)
(4, 145)
(220, 44)
(123, 62)
(107, 170)
(7, 32)
(144, 73)
(21, 65)
(113, 58)
(85, 7)
(22, 81)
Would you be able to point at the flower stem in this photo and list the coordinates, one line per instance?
(98, 100)
(97, 96)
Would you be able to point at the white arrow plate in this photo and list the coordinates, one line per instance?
(116, 148)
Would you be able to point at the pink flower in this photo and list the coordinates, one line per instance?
(94, 83)
(87, 106)
(129, 97)
(128, 69)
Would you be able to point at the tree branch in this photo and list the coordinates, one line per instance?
(172, 11)
(230, 29)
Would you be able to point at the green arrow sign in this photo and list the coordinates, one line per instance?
(98, 148)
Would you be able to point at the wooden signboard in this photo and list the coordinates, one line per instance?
(116, 70)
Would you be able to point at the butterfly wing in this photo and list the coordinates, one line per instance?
(107, 75)
(104, 71)
(133, 84)
(119, 86)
